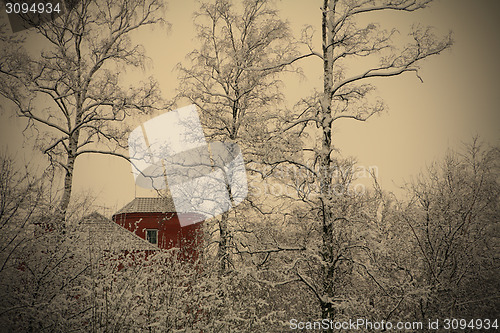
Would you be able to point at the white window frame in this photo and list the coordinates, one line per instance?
(147, 238)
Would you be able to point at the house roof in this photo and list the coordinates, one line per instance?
(104, 234)
(148, 205)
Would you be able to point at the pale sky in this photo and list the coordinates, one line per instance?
(458, 99)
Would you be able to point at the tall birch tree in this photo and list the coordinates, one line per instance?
(236, 104)
(347, 93)
(71, 92)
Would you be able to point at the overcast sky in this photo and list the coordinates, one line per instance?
(458, 99)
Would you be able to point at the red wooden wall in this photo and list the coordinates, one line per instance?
(170, 232)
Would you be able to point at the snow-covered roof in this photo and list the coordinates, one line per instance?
(148, 205)
(102, 233)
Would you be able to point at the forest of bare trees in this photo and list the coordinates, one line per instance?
(313, 250)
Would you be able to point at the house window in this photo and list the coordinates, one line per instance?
(152, 236)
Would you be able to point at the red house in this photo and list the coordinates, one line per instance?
(155, 220)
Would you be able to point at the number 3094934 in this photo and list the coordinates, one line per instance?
(32, 8)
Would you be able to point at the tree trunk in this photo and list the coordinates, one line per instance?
(325, 162)
(69, 167)
(222, 253)
(68, 184)
(224, 233)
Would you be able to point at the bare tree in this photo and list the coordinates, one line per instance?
(347, 95)
(40, 269)
(236, 104)
(451, 220)
(71, 92)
